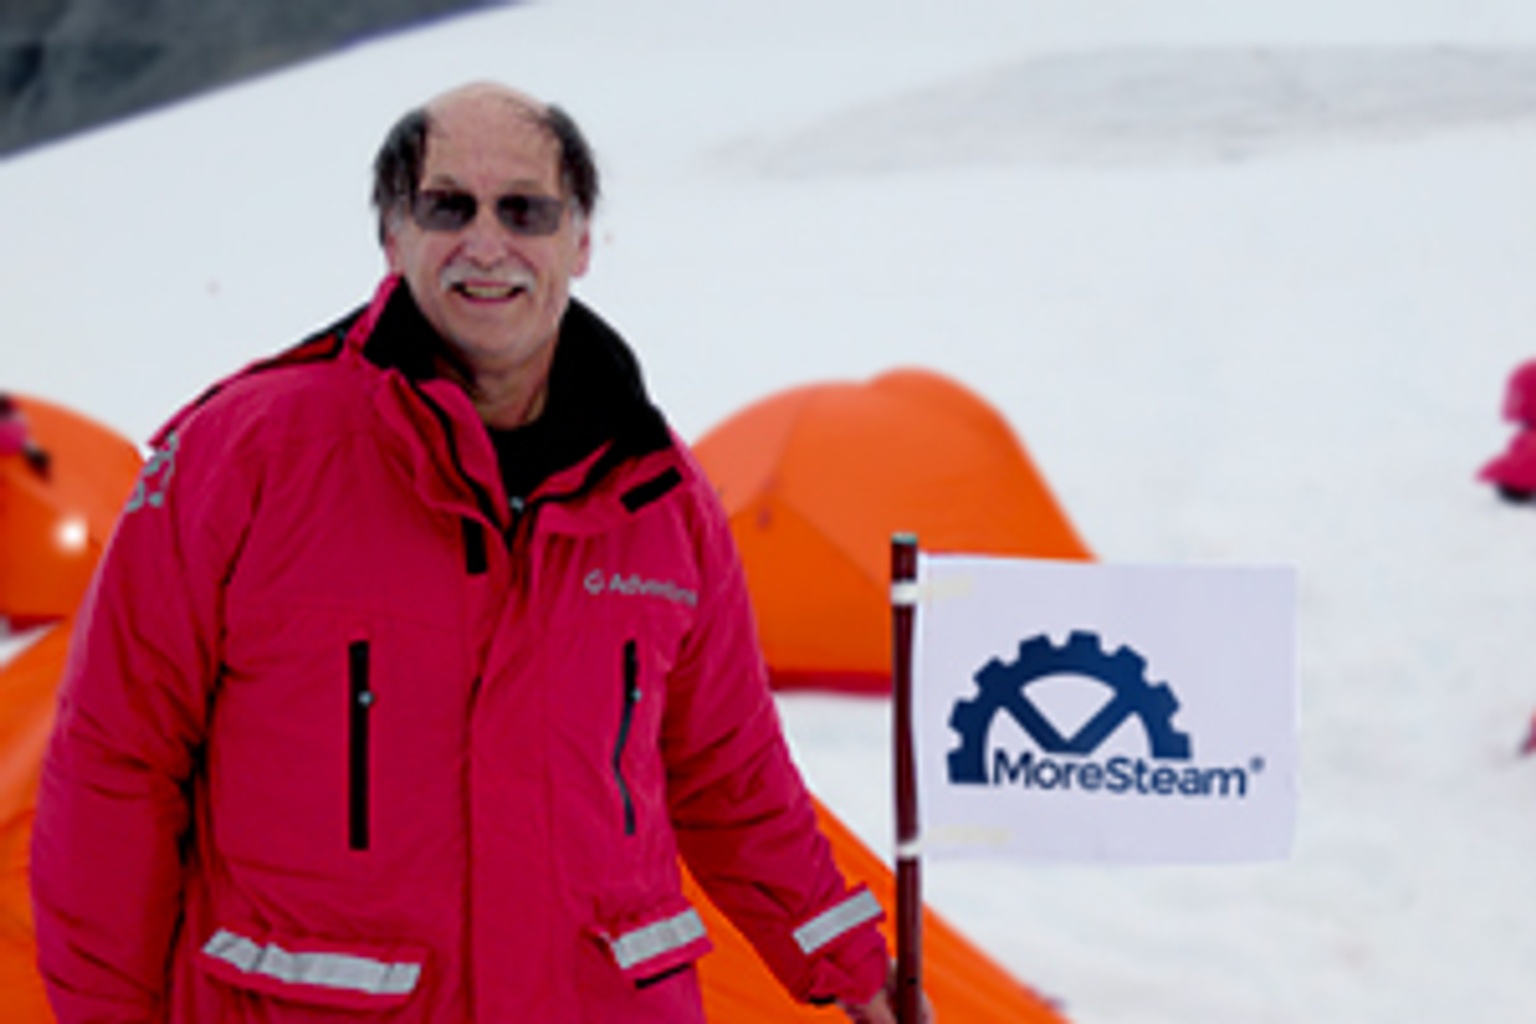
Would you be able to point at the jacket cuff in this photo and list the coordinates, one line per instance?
(848, 960)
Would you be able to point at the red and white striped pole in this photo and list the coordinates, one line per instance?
(909, 883)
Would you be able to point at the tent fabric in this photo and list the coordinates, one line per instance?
(963, 984)
(816, 479)
(27, 686)
(56, 514)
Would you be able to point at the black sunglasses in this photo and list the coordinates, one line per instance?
(519, 212)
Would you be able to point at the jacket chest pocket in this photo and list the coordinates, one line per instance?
(635, 703)
(607, 700)
(629, 697)
(335, 747)
(360, 698)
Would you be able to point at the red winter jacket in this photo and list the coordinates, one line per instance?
(341, 731)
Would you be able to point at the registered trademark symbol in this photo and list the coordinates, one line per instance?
(1257, 764)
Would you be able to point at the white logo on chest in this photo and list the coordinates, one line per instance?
(599, 581)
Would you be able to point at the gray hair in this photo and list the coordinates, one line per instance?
(397, 166)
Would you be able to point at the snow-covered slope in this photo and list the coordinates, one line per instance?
(1248, 284)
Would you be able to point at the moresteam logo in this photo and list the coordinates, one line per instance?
(1054, 761)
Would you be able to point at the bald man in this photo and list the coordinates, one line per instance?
(425, 661)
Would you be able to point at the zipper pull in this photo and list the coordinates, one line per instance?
(517, 505)
(632, 672)
(626, 719)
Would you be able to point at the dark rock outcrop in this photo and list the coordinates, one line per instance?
(68, 65)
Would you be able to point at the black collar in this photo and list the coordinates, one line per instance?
(596, 393)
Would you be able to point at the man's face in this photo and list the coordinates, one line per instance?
(496, 295)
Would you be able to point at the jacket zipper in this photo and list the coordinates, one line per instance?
(360, 703)
(523, 508)
(517, 507)
(631, 698)
(445, 422)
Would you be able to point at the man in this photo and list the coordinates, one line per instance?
(420, 655)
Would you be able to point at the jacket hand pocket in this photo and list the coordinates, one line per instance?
(317, 972)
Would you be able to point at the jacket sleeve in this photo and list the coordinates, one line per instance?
(744, 819)
(114, 799)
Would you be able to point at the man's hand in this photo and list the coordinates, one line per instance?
(882, 1008)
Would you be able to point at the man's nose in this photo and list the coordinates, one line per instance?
(485, 236)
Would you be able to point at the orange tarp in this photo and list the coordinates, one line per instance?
(816, 479)
(26, 715)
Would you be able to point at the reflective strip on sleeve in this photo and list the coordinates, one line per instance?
(341, 971)
(837, 920)
(657, 939)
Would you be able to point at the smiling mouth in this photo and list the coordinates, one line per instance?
(489, 292)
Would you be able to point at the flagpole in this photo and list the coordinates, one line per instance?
(909, 885)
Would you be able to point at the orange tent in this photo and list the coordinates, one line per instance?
(816, 479)
(59, 496)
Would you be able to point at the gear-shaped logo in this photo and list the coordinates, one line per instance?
(1002, 687)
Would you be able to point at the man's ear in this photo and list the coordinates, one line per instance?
(391, 249)
(583, 249)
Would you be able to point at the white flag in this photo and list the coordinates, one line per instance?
(1076, 711)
